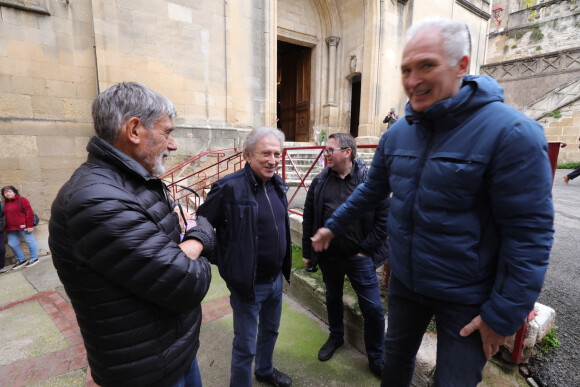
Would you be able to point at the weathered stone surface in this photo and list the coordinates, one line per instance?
(56, 146)
(12, 105)
(18, 146)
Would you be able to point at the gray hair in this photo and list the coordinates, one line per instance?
(256, 134)
(455, 34)
(345, 140)
(120, 102)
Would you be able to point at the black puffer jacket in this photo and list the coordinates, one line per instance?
(114, 241)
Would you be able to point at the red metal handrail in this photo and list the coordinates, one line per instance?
(302, 183)
(199, 181)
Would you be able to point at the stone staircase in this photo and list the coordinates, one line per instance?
(557, 98)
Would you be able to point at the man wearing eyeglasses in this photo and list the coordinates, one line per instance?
(357, 254)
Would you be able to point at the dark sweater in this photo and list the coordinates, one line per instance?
(271, 233)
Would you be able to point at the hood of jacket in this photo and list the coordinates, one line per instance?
(475, 92)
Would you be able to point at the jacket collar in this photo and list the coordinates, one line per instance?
(100, 151)
(359, 168)
(279, 184)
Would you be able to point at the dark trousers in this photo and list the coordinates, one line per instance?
(460, 360)
(574, 174)
(363, 278)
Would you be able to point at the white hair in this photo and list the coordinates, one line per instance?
(256, 134)
(455, 34)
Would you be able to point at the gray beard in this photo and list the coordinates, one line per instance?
(159, 168)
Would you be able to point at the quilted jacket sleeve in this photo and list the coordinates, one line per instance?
(378, 234)
(118, 237)
(520, 181)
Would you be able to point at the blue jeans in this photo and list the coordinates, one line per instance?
(363, 278)
(267, 306)
(14, 243)
(460, 360)
(192, 378)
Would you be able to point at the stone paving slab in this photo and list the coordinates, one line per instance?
(15, 287)
(71, 379)
(301, 336)
(53, 345)
(218, 286)
(26, 330)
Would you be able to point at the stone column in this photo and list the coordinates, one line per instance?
(332, 42)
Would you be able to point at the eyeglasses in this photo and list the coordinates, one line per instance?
(330, 151)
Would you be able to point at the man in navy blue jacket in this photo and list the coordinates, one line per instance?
(471, 215)
(250, 213)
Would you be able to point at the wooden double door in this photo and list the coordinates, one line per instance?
(293, 89)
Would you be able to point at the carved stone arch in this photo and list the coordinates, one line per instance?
(329, 18)
(328, 23)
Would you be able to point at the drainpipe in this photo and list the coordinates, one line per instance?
(95, 49)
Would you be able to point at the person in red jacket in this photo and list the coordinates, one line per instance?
(19, 222)
(2, 246)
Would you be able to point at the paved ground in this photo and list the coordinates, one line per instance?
(40, 343)
(562, 288)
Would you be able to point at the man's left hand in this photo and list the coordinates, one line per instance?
(491, 340)
(192, 248)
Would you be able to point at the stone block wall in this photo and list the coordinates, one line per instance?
(47, 83)
(566, 129)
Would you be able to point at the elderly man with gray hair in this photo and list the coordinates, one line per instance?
(249, 211)
(471, 216)
(135, 287)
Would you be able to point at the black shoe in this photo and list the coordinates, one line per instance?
(19, 265)
(276, 378)
(32, 262)
(376, 368)
(328, 348)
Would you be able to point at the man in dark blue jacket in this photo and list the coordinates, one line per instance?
(357, 254)
(250, 213)
(471, 215)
